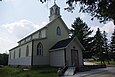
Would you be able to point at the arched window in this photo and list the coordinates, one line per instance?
(19, 52)
(40, 49)
(27, 50)
(58, 31)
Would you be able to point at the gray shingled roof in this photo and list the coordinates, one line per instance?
(62, 43)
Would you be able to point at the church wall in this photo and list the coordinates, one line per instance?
(68, 53)
(52, 36)
(57, 58)
(23, 59)
(43, 33)
(35, 35)
(22, 42)
(39, 59)
(28, 38)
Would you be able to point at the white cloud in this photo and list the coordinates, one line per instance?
(20, 28)
(82, 16)
(109, 27)
(13, 32)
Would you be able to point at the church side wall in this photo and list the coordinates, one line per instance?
(43, 33)
(57, 58)
(35, 35)
(23, 59)
(40, 59)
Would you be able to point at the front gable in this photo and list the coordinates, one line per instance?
(52, 29)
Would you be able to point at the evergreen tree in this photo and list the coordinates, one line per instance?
(82, 31)
(113, 45)
(4, 59)
(98, 47)
(106, 46)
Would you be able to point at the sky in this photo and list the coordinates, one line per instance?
(18, 18)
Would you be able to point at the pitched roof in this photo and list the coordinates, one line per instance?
(62, 43)
(45, 27)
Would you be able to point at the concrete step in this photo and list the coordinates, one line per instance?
(70, 71)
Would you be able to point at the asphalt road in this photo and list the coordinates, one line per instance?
(103, 72)
(110, 72)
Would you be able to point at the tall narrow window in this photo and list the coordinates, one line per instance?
(27, 50)
(10, 55)
(58, 31)
(19, 52)
(39, 35)
(14, 55)
(40, 49)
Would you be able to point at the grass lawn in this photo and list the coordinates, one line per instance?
(111, 62)
(18, 72)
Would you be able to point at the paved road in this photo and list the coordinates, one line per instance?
(107, 73)
(103, 72)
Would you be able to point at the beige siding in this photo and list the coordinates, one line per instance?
(35, 35)
(28, 38)
(22, 42)
(68, 52)
(43, 33)
(23, 60)
(37, 59)
(57, 58)
(53, 38)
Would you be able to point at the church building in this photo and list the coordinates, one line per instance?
(48, 46)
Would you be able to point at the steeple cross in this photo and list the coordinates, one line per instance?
(54, 1)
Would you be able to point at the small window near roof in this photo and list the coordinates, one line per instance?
(58, 31)
(39, 35)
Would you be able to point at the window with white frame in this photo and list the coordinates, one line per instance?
(40, 49)
(58, 31)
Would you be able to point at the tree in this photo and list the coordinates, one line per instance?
(100, 9)
(4, 59)
(113, 45)
(98, 47)
(82, 31)
(106, 46)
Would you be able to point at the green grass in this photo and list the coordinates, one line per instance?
(18, 72)
(111, 62)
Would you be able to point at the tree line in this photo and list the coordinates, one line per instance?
(97, 46)
(4, 59)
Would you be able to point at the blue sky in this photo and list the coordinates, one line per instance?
(19, 18)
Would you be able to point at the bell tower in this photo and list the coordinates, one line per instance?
(54, 12)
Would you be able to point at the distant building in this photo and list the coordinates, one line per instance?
(49, 45)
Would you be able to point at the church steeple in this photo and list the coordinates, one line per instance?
(54, 12)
